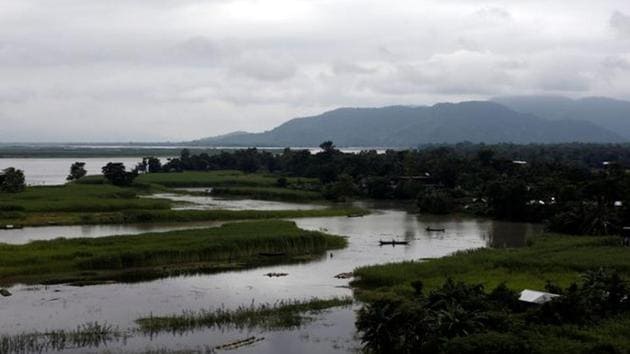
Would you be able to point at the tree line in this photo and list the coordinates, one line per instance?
(575, 188)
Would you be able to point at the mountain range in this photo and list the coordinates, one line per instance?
(517, 119)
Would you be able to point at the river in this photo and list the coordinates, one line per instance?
(40, 308)
(54, 170)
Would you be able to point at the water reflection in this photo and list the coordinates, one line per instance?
(27, 234)
(41, 308)
(52, 171)
(208, 202)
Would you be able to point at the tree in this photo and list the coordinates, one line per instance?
(328, 147)
(77, 170)
(115, 173)
(12, 180)
(152, 164)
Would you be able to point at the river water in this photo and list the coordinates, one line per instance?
(51, 171)
(43, 308)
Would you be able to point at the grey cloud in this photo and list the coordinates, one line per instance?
(620, 22)
(222, 65)
(616, 62)
(345, 67)
(264, 67)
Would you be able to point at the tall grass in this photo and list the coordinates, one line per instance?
(87, 335)
(162, 216)
(159, 254)
(78, 198)
(282, 314)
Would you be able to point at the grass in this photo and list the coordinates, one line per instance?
(77, 198)
(555, 258)
(217, 179)
(268, 193)
(93, 202)
(87, 335)
(154, 255)
(281, 315)
(163, 216)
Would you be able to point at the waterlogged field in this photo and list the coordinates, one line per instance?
(192, 282)
(152, 255)
(188, 304)
(92, 201)
(560, 259)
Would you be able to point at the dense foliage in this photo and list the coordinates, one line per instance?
(12, 180)
(116, 174)
(576, 188)
(77, 170)
(462, 318)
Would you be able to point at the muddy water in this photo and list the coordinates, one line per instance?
(61, 306)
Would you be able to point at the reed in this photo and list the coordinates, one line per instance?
(87, 335)
(153, 255)
(280, 315)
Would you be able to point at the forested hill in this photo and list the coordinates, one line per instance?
(607, 113)
(405, 126)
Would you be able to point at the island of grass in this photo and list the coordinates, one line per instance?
(153, 255)
(467, 302)
(91, 201)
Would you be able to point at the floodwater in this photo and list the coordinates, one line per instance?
(53, 171)
(208, 202)
(42, 308)
(27, 234)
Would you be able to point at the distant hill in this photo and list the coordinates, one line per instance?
(608, 113)
(403, 126)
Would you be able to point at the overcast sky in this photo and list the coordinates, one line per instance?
(148, 70)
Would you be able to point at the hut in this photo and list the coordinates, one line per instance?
(536, 297)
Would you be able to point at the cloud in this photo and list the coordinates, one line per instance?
(620, 22)
(168, 69)
(264, 67)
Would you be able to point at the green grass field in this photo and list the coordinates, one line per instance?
(556, 258)
(217, 179)
(78, 198)
(162, 216)
(91, 201)
(151, 255)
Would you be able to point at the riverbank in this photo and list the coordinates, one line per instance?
(154, 255)
(482, 287)
(91, 201)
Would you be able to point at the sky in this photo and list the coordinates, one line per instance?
(174, 70)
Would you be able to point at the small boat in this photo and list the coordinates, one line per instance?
(393, 242)
(11, 227)
(271, 275)
(429, 229)
(355, 215)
